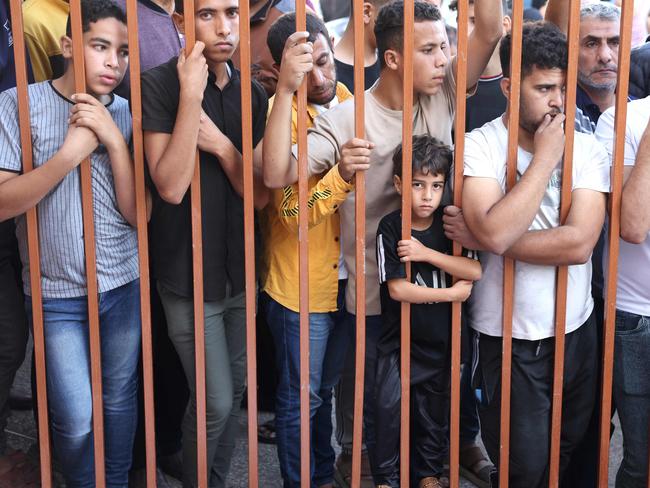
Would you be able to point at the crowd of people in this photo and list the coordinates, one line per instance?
(191, 100)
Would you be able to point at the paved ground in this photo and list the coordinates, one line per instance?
(21, 434)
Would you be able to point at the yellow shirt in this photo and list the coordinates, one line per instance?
(44, 23)
(326, 193)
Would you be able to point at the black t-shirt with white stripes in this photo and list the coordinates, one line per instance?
(431, 322)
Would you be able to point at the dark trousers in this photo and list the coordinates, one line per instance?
(13, 335)
(531, 400)
(429, 423)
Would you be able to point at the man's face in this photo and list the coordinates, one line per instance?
(542, 92)
(598, 56)
(429, 57)
(217, 26)
(321, 82)
(106, 55)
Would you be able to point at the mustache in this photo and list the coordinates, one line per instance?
(610, 67)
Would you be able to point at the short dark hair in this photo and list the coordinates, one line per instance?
(543, 46)
(285, 25)
(429, 156)
(95, 10)
(389, 26)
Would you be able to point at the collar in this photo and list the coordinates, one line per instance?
(232, 72)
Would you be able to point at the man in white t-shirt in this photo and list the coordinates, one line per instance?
(632, 343)
(524, 224)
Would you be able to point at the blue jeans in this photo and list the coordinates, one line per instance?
(632, 396)
(328, 342)
(69, 392)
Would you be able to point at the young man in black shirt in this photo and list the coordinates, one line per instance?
(430, 292)
(194, 102)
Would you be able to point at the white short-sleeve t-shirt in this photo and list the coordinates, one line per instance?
(534, 295)
(633, 290)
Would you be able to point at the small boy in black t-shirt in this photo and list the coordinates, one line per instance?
(430, 292)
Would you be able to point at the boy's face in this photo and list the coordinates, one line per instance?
(217, 26)
(426, 193)
(106, 55)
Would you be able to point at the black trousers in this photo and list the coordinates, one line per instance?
(531, 400)
(429, 422)
(13, 334)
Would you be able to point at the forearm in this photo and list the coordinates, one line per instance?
(403, 291)
(488, 20)
(557, 12)
(635, 204)
(279, 168)
(559, 246)
(124, 180)
(458, 266)
(20, 193)
(173, 172)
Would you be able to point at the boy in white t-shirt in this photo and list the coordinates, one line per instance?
(524, 224)
(632, 343)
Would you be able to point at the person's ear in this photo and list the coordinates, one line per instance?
(392, 59)
(66, 47)
(179, 22)
(397, 183)
(505, 87)
(368, 12)
(507, 24)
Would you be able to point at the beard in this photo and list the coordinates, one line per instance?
(585, 79)
(323, 97)
(531, 123)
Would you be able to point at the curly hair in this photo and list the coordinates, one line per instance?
(389, 26)
(285, 25)
(429, 156)
(95, 10)
(543, 46)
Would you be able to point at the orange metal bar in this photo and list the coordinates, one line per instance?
(143, 242)
(407, 173)
(456, 307)
(91, 259)
(563, 271)
(360, 246)
(32, 243)
(249, 241)
(614, 231)
(303, 265)
(508, 264)
(197, 270)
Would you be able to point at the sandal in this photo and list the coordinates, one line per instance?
(475, 466)
(266, 432)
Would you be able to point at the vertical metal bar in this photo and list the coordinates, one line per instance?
(456, 307)
(360, 247)
(32, 243)
(91, 259)
(614, 232)
(508, 264)
(407, 174)
(563, 271)
(197, 271)
(303, 267)
(143, 242)
(249, 240)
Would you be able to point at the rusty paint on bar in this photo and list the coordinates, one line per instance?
(249, 241)
(360, 245)
(456, 307)
(32, 242)
(407, 174)
(303, 267)
(614, 231)
(143, 242)
(563, 271)
(197, 272)
(90, 258)
(508, 264)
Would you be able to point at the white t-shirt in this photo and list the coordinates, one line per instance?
(534, 295)
(633, 293)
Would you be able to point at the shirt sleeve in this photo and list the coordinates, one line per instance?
(477, 159)
(10, 150)
(159, 105)
(260, 111)
(323, 145)
(605, 134)
(593, 172)
(389, 265)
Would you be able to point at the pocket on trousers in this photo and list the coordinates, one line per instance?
(632, 356)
